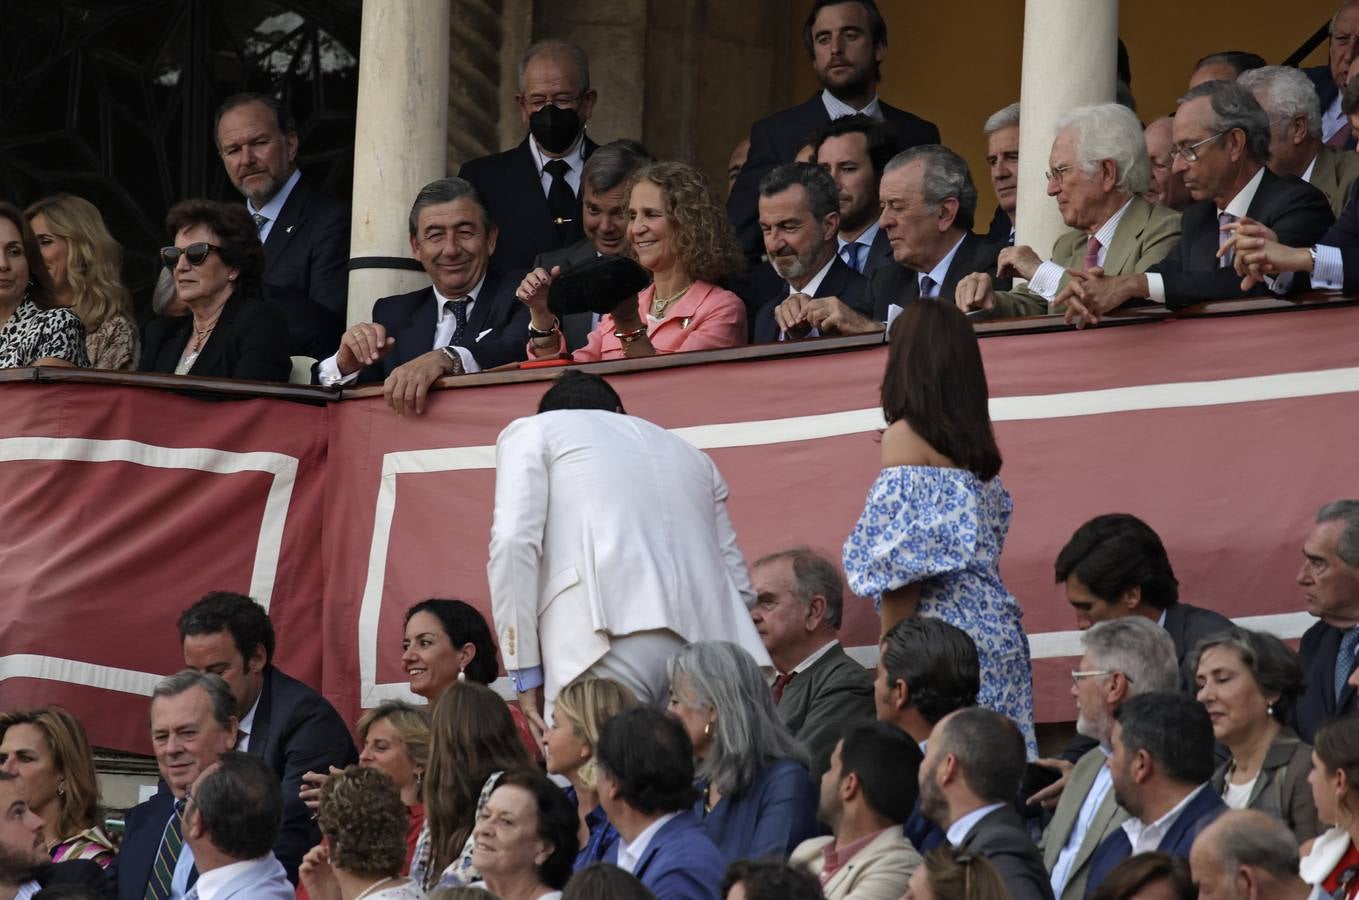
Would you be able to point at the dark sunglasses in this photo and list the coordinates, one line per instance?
(195, 253)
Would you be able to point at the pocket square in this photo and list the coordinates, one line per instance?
(484, 333)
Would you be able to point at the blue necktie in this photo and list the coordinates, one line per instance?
(167, 856)
(926, 286)
(1344, 660)
(459, 309)
(851, 252)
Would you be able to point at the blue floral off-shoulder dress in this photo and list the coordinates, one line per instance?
(946, 528)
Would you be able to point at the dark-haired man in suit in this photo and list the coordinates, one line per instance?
(847, 41)
(532, 192)
(305, 232)
(855, 150)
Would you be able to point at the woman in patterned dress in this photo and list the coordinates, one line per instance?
(46, 749)
(34, 330)
(929, 539)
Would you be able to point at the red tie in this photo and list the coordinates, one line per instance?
(780, 683)
(1092, 248)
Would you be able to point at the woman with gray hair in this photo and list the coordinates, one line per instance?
(1248, 681)
(757, 797)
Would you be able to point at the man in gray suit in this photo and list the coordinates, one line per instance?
(231, 819)
(819, 689)
(1123, 657)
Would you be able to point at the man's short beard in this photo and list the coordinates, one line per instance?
(799, 266)
(259, 198)
(856, 223)
(861, 84)
(17, 868)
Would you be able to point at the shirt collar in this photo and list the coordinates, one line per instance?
(1311, 166)
(575, 157)
(835, 858)
(838, 109)
(959, 829)
(632, 852)
(1161, 619)
(247, 724)
(1105, 234)
(440, 299)
(1240, 204)
(271, 209)
(213, 880)
(866, 237)
(810, 287)
(811, 660)
(1152, 834)
(940, 270)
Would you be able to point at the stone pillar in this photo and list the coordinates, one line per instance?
(1070, 60)
(400, 135)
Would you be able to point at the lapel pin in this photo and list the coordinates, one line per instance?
(288, 230)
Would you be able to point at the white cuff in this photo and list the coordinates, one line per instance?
(1047, 279)
(328, 373)
(1156, 288)
(1329, 270)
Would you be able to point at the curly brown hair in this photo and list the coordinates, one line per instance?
(238, 237)
(362, 817)
(704, 239)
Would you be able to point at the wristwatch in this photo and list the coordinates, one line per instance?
(534, 333)
(454, 358)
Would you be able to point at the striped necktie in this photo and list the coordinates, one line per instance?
(260, 219)
(1344, 660)
(158, 887)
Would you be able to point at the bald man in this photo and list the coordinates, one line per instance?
(1247, 855)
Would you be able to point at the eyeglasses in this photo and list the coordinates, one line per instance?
(538, 101)
(194, 253)
(1057, 174)
(1191, 152)
(1076, 676)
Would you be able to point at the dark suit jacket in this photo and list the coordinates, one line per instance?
(576, 326)
(249, 342)
(879, 255)
(778, 138)
(900, 285)
(1344, 234)
(79, 871)
(1001, 838)
(411, 319)
(306, 276)
(1298, 213)
(131, 866)
(1317, 651)
(840, 281)
(833, 692)
(680, 863)
(921, 832)
(512, 189)
(999, 230)
(1187, 625)
(1195, 817)
(295, 731)
(770, 818)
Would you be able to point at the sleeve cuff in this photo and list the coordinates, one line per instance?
(527, 679)
(1046, 280)
(470, 366)
(328, 373)
(1156, 288)
(1329, 271)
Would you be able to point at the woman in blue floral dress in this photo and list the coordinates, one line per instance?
(928, 542)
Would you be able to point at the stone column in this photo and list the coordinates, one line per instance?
(1070, 60)
(400, 142)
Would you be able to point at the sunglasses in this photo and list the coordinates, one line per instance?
(195, 253)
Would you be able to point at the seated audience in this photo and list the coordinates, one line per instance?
(230, 821)
(947, 874)
(757, 796)
(1115, 565)
(646, 786)
(1330, 581)
(1123, 657)
(867, 795)
(1149, 876)
(582, 708)
(1002, 158)
(85, 264)
(854, 150)
(472, 737)
(525, 838)
(1161, 763)
(1167, 185)
(973, 767)
(799, 605)
(927, 668)
(604, 215)
(768, 879)
(602, 881)
(800, 222)
(464, 322)
(26, 868)
(1247, 854)
(928, 201)
(34, 328)
(193, 722)
(1229, 65)
(48, 754)
(679, 235)
(363, 822)
(447, 641)
(217, 261)
(278, 718)
(1221, 138)
(1329, 862)
(1098, 171)
(1295, 146)
(1249, 681)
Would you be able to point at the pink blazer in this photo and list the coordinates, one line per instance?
(706, 318)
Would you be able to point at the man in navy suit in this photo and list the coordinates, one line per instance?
(468, 320)
(855, 150)
(305, 232)
(800, 218)
(193, 723)
(847, 41)
(1330, 582)
(1329, 79)
(646, 786)
(532, 191)
(1161, 764)
(280, 720)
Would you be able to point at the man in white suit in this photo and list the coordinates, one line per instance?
(231, 818)
(611, 548)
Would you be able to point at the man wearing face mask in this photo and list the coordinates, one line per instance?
(533, 191)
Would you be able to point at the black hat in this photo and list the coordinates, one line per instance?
(597, 286)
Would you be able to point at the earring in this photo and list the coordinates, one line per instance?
(61, 788)
(708, 729)
(1269, 710)
(462, 676)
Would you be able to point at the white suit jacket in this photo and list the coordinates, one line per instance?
(607, 525)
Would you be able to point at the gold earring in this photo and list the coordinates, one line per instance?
(708, 729)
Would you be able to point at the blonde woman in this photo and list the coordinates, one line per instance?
(582, 708)
(85, 263)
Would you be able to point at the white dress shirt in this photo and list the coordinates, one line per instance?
(246, 725)
(575, 158)
(1061, 869)
(959, 829)
(629, 855)
(272, 209)
(936, 275)
(210, 883)
(1145, 838)
(1047, 278)
(838, 109)
(1333, 119)
(1239, 207)
(179, 882)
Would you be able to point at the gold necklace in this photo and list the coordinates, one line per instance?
(202, 333)
(659, 304)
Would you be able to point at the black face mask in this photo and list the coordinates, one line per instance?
(555, 129)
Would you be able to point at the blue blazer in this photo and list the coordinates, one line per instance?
(1195, 817)
(770, 819)
(921, 832)
(680, 863)
(131, 866)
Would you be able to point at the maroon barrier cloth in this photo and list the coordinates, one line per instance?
(1224, 434)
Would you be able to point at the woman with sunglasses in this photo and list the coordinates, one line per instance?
(34, 328)
(217, 261)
